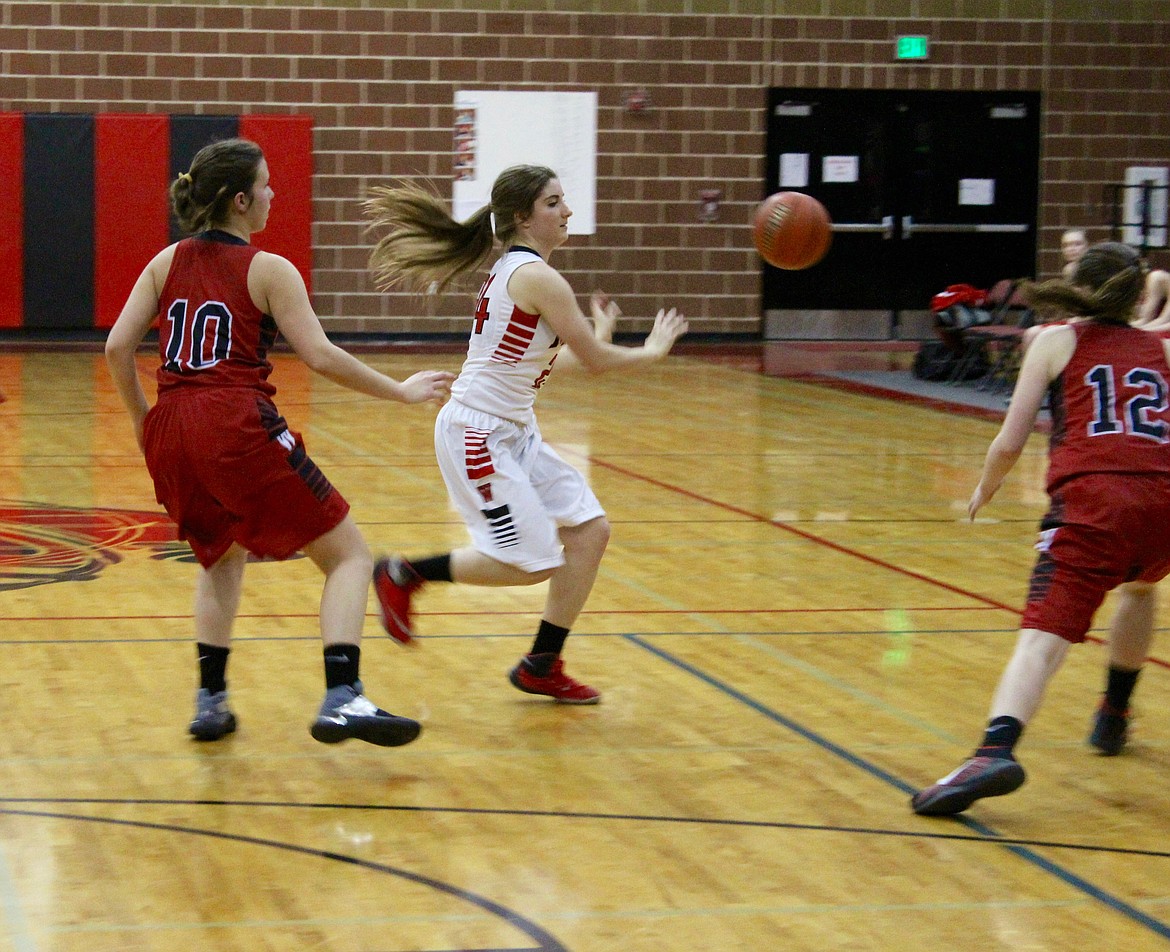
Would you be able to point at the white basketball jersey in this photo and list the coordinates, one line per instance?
(510, 352)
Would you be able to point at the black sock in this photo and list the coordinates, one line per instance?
(539, 664)
(341, 665)
(1119, 687)
(1003, 733)
(437, 568)
(212, 667)
(550, 639)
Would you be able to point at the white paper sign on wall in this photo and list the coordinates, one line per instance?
(496, 129)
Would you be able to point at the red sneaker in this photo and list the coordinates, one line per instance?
(394, 581)
(556, 684)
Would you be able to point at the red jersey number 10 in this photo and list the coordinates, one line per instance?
(198, 343)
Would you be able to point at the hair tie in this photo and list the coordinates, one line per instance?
(492, 221)
(185, 176)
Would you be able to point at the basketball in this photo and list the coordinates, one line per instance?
(792, 230)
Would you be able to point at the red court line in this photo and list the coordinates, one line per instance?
(901, 396)
(836, 547)
(495, 612)
(920, 400)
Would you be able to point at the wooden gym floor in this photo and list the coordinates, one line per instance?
(794, 628)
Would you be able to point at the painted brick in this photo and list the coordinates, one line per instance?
(176, 17)
(29, 14)
(153, 41)
(127, 15)
(78, 14)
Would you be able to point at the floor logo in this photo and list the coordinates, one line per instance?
(41, 543)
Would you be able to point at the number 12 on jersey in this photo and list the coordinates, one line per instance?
(1136, 414)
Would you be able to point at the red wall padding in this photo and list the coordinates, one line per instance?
(287, 142)
(11, 219)
(131, 204)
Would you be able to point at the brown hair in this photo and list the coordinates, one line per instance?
(1105, 287)
(202, 195)
(425, 245)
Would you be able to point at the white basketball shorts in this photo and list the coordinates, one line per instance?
(512, 490)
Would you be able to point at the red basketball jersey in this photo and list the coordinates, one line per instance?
(210, 332)
(1109, 405)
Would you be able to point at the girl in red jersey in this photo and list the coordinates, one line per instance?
(531, 515)
(225, 465)
(1109, 482)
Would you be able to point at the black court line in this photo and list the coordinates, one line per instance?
(593, 815)
(545, 942)
(1067, 876)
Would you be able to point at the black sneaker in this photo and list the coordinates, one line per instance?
(212, 718)
(973, 779)
(346, 713)
(1110, 730)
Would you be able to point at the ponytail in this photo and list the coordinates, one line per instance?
(201, 196)
(423, 245)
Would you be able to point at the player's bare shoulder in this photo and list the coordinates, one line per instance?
(535, 286)
(160, 266)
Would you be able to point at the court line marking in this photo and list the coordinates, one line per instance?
(992, 839)
(1067, 876)
(546, 942)
(818, 540)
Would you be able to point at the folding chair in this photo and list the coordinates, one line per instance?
(1002, 342)
(981, 331)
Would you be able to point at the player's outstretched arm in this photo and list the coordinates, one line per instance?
(281, 287)
(539, 289)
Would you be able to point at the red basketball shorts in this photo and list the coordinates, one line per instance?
(1101, 530)
(227, 469)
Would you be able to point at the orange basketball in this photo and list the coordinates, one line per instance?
(792, 230)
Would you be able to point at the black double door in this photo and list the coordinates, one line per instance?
(926, 189)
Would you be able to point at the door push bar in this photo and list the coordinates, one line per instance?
(909, 226)
(886, 227)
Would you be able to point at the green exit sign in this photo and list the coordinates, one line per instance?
(913, 48)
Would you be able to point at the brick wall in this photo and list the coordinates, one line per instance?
(379, 78)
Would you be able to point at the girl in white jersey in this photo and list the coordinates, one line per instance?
(532, 517)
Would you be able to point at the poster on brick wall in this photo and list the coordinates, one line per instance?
(492, 130)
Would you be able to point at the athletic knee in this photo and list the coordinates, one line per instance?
(592, 536)
(362, 558)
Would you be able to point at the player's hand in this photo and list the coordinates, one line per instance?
(979, 498)
(668, 327)
(605, 315)
(427, 385)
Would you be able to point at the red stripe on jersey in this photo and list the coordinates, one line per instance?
(517, 337)
(477, 459)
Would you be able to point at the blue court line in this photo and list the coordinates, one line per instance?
(1068, 877)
